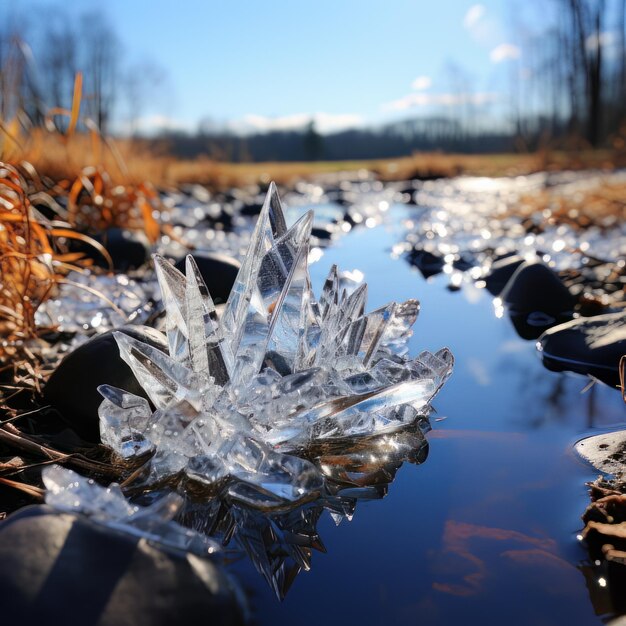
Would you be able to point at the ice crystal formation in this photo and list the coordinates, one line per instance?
(241, 396)
(70, 492)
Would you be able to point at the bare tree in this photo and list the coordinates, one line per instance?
(100, 65)
(58, 59)
(142, 82)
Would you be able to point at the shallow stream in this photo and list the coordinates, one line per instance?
(484, 531)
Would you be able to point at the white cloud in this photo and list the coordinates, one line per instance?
(483, 26)
(414, 100)
(153, 124)
(324, 122)
(473, 15)
(422, 83)
(505, 52)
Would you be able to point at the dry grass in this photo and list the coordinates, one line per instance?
(34, 255)
(131, 162)
(41, 214)
(603, 205)
(164, 171)
(95, 204)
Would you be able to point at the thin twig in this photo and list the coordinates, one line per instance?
(31, 490)
(11, 436)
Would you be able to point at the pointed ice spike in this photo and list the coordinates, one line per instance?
(193, 274)
(172, 284)
(195, 322)
(202, 327)
(278, 263)
(166, 381)
(312, 331)
(270, 226)
(329, 291)
(290, 322)
(333, 314)
(377, 322)
(275, 210)
(441, 363)
(272, 282)
(344, 417)
(399, 328)
(125, 400)
(162, 510)
(355, 304)
(68, 491)
(124, 418)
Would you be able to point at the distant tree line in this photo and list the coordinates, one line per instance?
(390, 140)
(568, 88)
(41, 54)
(577, 71)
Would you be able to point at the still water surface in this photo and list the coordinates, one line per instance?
(484, 531)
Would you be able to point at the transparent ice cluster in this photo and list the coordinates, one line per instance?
(240, 398)
(70, 492)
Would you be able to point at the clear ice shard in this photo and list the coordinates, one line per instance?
(240, 397)
(70, 492)
(261, 418)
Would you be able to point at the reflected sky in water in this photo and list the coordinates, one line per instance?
(485, 530)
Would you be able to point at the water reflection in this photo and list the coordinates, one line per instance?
(485, 531)
(542, 273)
(281, 543)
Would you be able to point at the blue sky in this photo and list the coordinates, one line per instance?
(345, 62)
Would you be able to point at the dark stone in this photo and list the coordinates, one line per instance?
(428, 176)
(606, 452)
(406, 192)
(62, 569)
(346, 198)
(534, 287)
(251, 209)
(323, 232)
(426, 262)
(501, 272)
(464, 262)
(128, 249)
(532, 325)
(218, 271)
(347, 217)
(587, 346)
(72, 388)
(218, 216)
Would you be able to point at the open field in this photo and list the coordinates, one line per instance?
(61, 157)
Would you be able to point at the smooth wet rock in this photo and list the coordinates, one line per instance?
(219, 272)
(464, 262)
(426, 262)
(606, 452)
(62, 569)
(251, 209)
(324, 232)
(223, 217)
(501, 272)
(591, 345)
(532, 325)
(72, 388)
(535, 288)
(128, 249)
